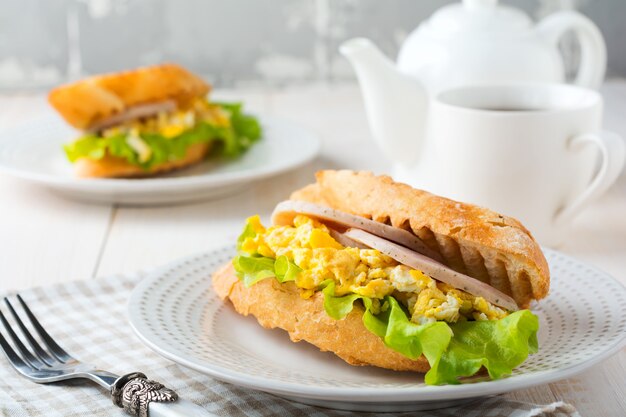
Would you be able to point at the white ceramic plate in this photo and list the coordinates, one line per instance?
(176, 313)
(33, 152)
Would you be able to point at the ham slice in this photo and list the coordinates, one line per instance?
(285, 212)
(134, 112)
(345, 240)
(433, 268)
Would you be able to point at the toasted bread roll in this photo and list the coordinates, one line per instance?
(113, 167)
(278, 305)
(472, 240)
(91, 100)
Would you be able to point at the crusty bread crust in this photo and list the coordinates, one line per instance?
(88, 101)
(277, 305)
(113, 167)
(472, 240)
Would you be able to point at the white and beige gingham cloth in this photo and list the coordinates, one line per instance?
(88, 318)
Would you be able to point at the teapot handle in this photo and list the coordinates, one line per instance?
(593, 49)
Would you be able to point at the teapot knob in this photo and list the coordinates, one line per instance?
(480, 4)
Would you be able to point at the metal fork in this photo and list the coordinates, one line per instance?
(44, 361)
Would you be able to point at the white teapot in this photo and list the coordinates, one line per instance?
(479, 41)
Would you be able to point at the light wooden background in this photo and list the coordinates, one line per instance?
(45, 239)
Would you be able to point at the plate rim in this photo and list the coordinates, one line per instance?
(363, 394)
(96, 185)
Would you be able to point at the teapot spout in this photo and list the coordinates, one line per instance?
(396, 104)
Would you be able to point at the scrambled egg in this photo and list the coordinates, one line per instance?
(168, 124)
(366, 272)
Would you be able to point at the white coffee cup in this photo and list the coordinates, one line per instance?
(532, 151)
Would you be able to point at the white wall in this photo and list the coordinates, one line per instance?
(232, 42)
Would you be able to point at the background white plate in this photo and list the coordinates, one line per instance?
(33, 152)
(176, 313)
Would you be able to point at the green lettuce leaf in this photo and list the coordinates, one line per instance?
(452, 350)
(498, 345)
(244, 131)
(231, 141)
(252, 269)
(339, 307)
(392, 325)
(408, 338)
(95, 147)
(89, 146)
(285, 270)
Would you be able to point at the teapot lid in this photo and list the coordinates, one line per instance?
(477, 16)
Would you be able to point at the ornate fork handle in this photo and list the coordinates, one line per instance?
(48, 362)
(134, 392)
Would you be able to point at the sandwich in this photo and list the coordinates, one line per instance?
(385, 275)
(148, 121)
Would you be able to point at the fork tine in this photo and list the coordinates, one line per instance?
(37, 349)
(54, 348)
(27, 356)
(13, 357)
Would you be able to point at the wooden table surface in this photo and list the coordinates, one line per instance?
(46, 239)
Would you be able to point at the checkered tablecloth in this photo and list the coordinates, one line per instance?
(88, 318)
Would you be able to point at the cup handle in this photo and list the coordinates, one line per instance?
(612, 152)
